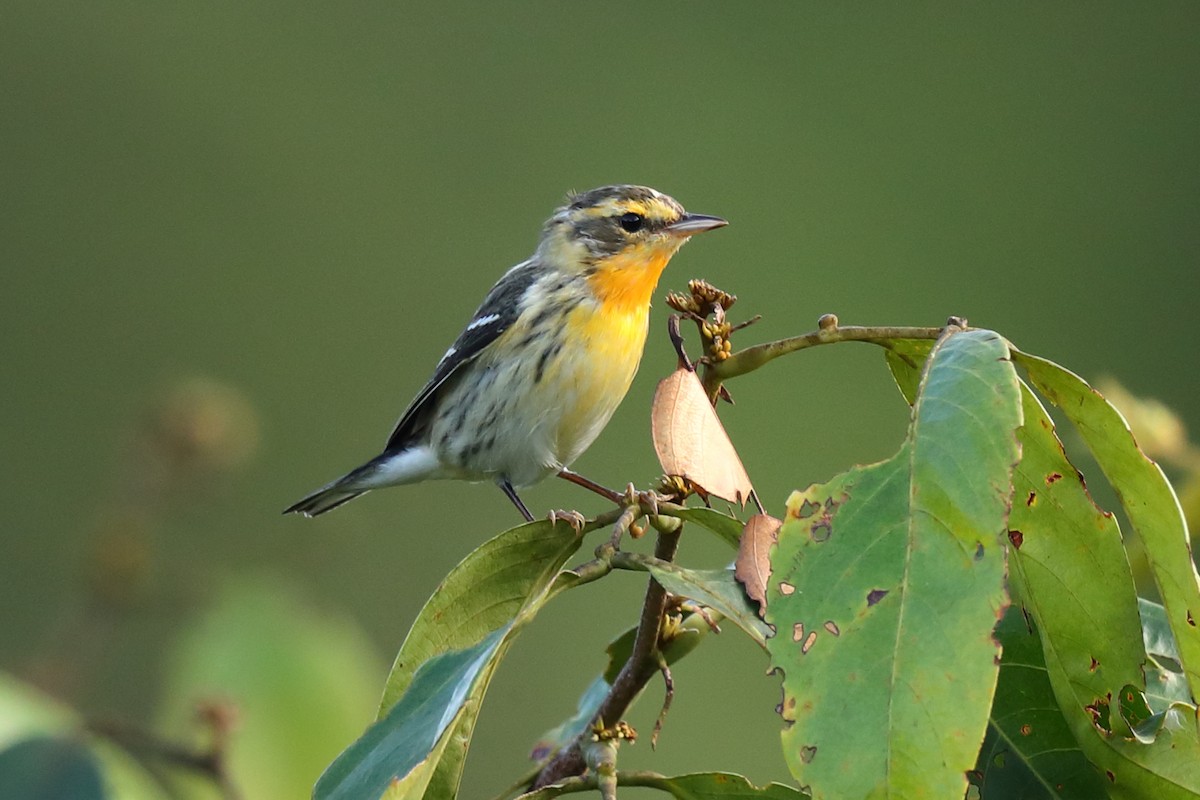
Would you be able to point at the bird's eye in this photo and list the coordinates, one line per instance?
(631, 222)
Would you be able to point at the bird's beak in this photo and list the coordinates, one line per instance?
(691, 224)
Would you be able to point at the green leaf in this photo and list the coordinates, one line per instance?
(698, 786)
(403, 741)
(485, 592)
(1068, 569)
(886, 585)
(46, 768)
(1164, 678)
(416, 782)
(569, 730)
(1029, 751)
(905, 358)
(477, 609)
(1145, 494)
(716, 588)
(728, 528)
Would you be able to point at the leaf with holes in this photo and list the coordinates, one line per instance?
(1145, 494)
(886, 585)
(1068, 569)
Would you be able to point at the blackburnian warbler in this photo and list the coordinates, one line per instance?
(547, 358)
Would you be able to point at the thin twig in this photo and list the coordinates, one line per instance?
(668, 696)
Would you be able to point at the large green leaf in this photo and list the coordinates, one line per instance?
(886, 585)
(1145, 494)
(26, 712)
(484, 592)
(1068, 569)
(1030, 752)
(698, 786)
(472, 615)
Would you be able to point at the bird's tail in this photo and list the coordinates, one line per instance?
(322, 500)
(389, 469)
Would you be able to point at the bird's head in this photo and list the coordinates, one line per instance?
(619, 226)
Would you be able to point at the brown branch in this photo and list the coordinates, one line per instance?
(642, 665)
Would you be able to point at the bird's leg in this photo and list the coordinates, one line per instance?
(511, 494)
(590, 485)
(648, 499)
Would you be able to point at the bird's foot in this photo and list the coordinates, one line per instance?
(572, 518)
(647, 499)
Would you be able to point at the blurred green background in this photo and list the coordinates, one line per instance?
(236, 237)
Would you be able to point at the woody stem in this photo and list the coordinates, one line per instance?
(642, 665)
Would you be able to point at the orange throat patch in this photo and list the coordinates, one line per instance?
(626, 282)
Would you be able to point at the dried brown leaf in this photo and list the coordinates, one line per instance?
(692, 443)
(753, 566)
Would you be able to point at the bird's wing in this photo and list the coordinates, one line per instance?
(495, 314)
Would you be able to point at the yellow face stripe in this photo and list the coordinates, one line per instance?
(615, 207)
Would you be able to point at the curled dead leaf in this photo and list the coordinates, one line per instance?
(692, 443)
(753, 567)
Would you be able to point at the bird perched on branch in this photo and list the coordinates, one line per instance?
(546, 359)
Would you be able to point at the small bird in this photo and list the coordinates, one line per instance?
(545, 361)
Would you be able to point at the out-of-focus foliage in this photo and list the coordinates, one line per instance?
(301, 684)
